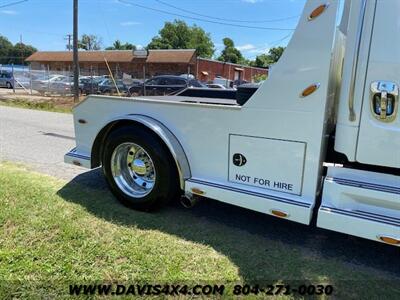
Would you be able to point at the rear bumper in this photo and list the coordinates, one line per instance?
(75, 158)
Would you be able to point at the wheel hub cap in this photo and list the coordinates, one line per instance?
(139, 167)
(133, 170)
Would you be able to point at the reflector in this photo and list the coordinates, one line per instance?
(317, 12)
(309, 90)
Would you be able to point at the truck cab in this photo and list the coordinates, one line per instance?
(317, 143)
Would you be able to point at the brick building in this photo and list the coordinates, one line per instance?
(142, 64)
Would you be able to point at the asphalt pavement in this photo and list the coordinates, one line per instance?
(38, 139)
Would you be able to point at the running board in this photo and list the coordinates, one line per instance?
(361, 203)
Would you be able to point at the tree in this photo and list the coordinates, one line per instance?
(17, 53)
(5, 50)
(230, 53)
(20, 52)
(264, 60)
(89, 42)
(178, 35)
(117, 45)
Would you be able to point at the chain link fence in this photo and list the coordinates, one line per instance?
(24, 80)
(112, 80)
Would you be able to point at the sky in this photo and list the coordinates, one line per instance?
(46, 23)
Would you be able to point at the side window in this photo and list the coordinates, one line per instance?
(180, 82)
(195, 83)
(153, 81)
(177, 81)
(164, 81)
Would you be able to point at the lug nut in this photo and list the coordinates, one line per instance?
(130, 152)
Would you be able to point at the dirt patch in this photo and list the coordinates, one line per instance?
(37, 101)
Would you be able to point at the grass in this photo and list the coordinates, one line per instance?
(43, 105)
(55, 233)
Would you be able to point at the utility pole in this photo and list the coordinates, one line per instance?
(75, 54)
(22, 49)
(69, 38)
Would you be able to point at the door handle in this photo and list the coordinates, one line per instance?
(384, 100)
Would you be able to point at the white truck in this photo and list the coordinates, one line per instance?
(318, 143)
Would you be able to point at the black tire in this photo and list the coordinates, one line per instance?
(9, 85)
(166, 184)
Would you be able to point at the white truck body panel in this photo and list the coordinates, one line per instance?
(268, 154)
(364, 138)
(361, 203)
(378, 140)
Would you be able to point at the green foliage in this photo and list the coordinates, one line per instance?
(16, 54)
(89, 42)
(264, 60)
(117, 45)
(230, 53)
(179, 35)
(259, 77)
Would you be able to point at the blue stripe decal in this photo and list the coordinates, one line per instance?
(78, 156)
(377, 215)
(241, 191)
(366, 185)
(357, 215)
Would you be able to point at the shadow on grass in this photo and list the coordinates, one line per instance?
(262, 247)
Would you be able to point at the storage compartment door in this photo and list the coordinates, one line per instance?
(268, 164)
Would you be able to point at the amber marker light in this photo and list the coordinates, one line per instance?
(76, 163)
(309, 90)
(317, 12)
(389, 240)
(197, 191)
(279, 213)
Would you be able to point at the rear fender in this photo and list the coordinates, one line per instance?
(170, 140)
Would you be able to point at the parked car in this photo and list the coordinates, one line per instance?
(223, 81)
(6, 80)
(90, 85)
(163, 85)
(53, 84)
(239, 82)
(107, 86)
(216, 86)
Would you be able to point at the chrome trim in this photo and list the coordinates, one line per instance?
(133, 170)
(352, 114)
(385, 88)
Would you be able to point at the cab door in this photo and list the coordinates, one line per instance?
(379, 136)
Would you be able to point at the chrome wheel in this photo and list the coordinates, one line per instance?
(133, 170)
